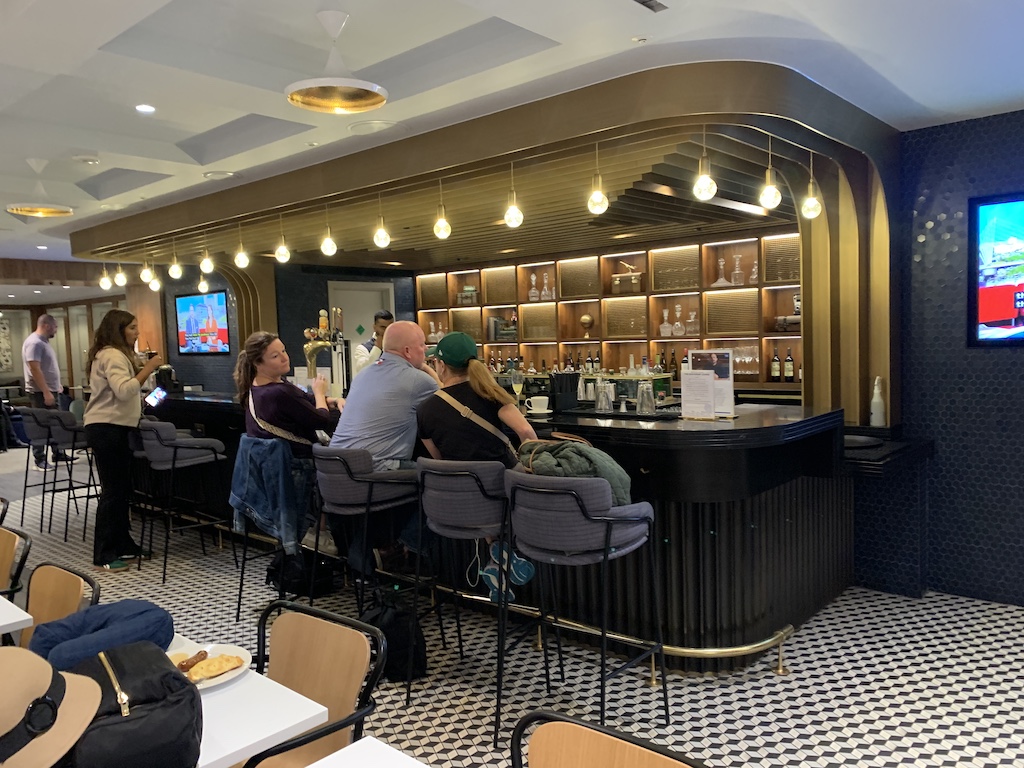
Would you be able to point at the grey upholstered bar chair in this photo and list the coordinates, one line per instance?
(571, 522)
(349, 486)
(69, 437)
(168, 454)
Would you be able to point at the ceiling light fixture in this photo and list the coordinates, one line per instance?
(811, 207)
(337, 92)
(120, 278)
(42, 247)
(145, 109)
(770, 195)
(40, 210)
(597, 203)
(217, 175)
(145, 274)
(381, 238)
(105, 282)
(203, 286)
(155, 284)
(206, 264)
(442, 229)
(282, 254)
(174, 271)
(705, 187)
(328, 247)
(513, 214)
(241, 257)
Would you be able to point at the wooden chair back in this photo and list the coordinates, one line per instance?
(324, 661)
(53, 593)
(8, 551)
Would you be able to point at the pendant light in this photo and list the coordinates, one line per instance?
(597, 203)
(174, 271)
(145, 274)
(241, 257)
(770, 194)
(811, 207)
(203, 286)
(105, 282)
(442, 229)
(328, 247)
(513, 214)
(120, 278)
(282, 254)
(155, 284)
(381, 238)
(705, 187)
(206, 264)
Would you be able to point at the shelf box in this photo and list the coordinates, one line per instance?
(625, 318)
(467, 320)
(499, 285)
(579, 278)
(538, 322)
(675, 269)
(733, 312)
(782, 259)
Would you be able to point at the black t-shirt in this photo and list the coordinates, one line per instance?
(287, 407)
(457, 437)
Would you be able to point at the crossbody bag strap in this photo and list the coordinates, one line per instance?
(276, 431)
(467, 412)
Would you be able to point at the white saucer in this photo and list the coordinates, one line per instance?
(537, 413)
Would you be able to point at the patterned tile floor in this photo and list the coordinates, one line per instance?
(877, 679)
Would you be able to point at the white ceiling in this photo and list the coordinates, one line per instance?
(71, 73)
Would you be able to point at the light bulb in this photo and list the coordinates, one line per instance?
(154, 284)
(174, 270)
(597, 203)
(241, 258)
(811, 207)
(705, 187)
(513, 215)
(282, 254)
(105, 282)
(441, 227)
(770, 195)
(146, 274)
(328, 247)
(206, 265)
(203, 285)
(381, 238)
(120, 278)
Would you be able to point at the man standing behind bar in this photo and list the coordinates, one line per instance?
(369, 351)
(42, 378)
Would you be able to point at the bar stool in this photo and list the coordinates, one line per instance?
(349, 486)
(69, 437)
(54, 430)
(570, 522)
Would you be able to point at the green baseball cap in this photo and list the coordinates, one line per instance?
(456, 349)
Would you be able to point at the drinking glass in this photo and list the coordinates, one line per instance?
(645, 399)
(518, 382)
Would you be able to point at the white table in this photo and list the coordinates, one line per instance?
(246, 715)
(367, 752)
(12, 617)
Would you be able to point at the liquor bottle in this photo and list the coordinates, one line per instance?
(520, 365)
(631, 371)
(684, 364)
(568, 363)
(509, 364)
(658, 367)
(776, 369)
(530, 368)
(800, 373)
(665, 329)
(673, 366)
(644, 367)
(787, 366)
(492, 365)
(579, 362)
(543, 365)
(590, 362)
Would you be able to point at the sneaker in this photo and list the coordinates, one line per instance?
(137, 554)
(327, 545)
(113, 566)
(44, 466)
(520, 570)
(489, 575)
(66, 458)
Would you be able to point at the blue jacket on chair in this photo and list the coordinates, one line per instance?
(262, 488)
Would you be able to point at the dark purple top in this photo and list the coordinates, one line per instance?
(287, 407)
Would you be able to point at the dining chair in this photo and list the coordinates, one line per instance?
(12, 561)
(55, 591)
(333, 660)
(561, 741)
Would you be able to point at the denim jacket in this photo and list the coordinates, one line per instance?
(264, 487)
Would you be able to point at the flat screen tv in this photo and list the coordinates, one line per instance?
(995, 299)
(202, 320)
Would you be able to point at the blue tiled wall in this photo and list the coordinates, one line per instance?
(967, 400)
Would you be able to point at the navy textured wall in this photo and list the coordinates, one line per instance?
(212, 371)
(967, 400)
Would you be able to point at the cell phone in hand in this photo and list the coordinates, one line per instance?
(156, 397)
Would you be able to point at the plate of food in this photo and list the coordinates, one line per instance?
(210, 664)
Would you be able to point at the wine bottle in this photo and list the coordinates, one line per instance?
(673, 366)
(568, 362)
(491, 365)
(579, 362)
(543, 365)
(776, 367)
(684, 364)
(597, 360)
(658, 367)
(787, 366)
(590, 362)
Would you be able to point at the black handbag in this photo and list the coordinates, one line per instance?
(149, 715)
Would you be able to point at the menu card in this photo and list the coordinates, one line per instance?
(697, 390)
(717, 362)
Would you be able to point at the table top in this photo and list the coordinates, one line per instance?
(365, 752)
(246, 715)
(12, 617)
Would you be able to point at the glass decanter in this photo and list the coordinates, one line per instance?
(432, 336)
(721, 282)
(753, 274)
(678, 329)
(533, 294)
(545, 294)
(692, 324)
(737, 270)
(665, 329)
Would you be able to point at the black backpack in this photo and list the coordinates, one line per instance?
(393, 620)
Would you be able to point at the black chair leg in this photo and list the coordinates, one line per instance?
(659, 636)
(241, 570)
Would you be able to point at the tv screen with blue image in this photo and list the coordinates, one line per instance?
(202, 321)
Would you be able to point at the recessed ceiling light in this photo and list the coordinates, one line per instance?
(366, 127)
(392, 263)
(624, 235)
(41, 247)
(639, 39)
(86, 159)
(145, 109)
(218, 174)
(10, 295)
(65, 287)
(312, 143)
(508, 250)
(36, 291)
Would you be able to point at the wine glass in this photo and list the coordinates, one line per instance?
(518, 381)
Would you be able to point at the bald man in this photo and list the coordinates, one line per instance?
(42, 380)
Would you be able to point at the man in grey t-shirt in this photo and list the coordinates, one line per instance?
(42, 378)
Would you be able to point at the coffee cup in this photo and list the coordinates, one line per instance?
(537, 403)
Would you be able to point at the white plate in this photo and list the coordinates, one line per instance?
(182, 645)
(537, 413)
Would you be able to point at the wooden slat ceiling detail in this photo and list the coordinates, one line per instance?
(648, 180)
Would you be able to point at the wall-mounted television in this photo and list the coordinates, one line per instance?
(995, 299)
(202, 320)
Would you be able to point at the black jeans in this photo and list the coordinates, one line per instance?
(39, 451)
(110, 449)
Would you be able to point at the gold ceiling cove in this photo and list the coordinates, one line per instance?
(337, 92)
(40, 210)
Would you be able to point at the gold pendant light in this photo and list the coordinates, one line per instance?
(705, 187)
(597, 203)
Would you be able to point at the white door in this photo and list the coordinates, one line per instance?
(359, 303)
